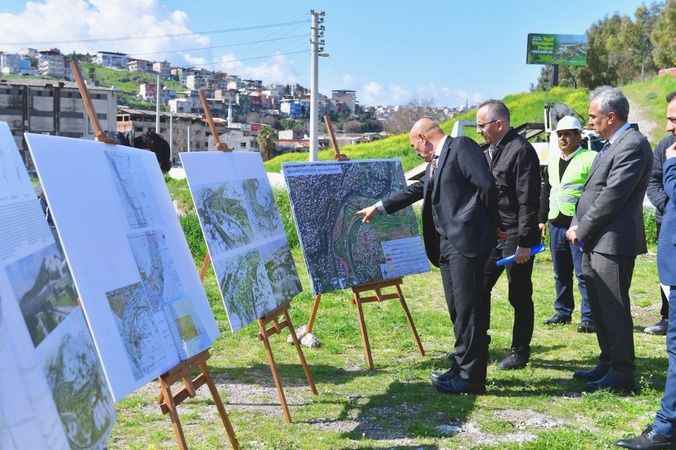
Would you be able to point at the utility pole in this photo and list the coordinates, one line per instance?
(171, 137)
(316, 50)
(188, 136)
(157, 105)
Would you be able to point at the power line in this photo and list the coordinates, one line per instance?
(156, 36)
(224, 45)
(216, 62)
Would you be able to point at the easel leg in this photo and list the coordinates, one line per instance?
(205, 266)
(301, 355)
(362, 328)
(404, 306)
(175, 422)
(313, 313)
(275, 374)
(221, 409)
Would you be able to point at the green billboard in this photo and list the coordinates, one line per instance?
(564, 49)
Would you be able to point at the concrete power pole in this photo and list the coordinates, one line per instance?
(316, 50)
(157, 105)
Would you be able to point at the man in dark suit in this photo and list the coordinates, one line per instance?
(661, 433)
(608, 224)
(459, 229)
(659, 200)
(516, 169)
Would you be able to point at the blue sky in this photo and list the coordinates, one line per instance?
(390, 52)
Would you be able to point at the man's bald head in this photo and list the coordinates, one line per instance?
(425, 127)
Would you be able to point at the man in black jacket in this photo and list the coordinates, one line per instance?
(458, 196)
(516, 169)
(659, 200)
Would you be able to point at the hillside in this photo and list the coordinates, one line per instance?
(525, 107)
(127, 83)
(648, 95)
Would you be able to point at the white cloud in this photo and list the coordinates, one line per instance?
(279, 69)
(375, 93)
(68, 20)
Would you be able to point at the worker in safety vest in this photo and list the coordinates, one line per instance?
(566, 176)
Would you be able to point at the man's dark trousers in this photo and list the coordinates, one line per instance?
(462, 278)
(608, 280)
(566, 260)
(666, 416)
(520, 291)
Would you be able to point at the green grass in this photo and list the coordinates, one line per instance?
(394, 405)
(651, 94)
(525, 107)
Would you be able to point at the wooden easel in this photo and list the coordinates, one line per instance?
(358, 298)
(182, 372)
(279, 317)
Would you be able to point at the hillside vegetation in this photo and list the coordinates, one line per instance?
(525, 107)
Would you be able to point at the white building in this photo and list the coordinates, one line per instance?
(163, 68)
(112, 59)
(139, 65)
(51, 63)
(185, 105)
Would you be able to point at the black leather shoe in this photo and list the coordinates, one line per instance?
(586, 327)
(457, 385)
(649, 439)
(515, 360)
(447, 375)
(659, 329)
(615, 382)
(558, 319)
(594, 374)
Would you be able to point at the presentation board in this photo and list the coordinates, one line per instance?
(53, 393)
(130, 261)
(243, 231)
(340, 250)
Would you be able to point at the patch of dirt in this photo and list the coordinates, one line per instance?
(527, 418)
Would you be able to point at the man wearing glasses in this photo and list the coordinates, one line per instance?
(458, 217)
(516, 169)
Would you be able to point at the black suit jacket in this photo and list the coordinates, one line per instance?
(516, 168)
(459, 201)
(609, 215)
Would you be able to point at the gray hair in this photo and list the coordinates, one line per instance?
(611, 99)
(497, 110)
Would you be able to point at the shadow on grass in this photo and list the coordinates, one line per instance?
(404, 411)
(291, 374)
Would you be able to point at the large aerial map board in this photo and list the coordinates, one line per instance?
(340, 250)
(130, 261)
(53, 393)
(244, 233)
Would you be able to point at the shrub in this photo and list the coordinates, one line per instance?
(193, 234)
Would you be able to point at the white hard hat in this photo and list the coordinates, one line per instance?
(568, 123)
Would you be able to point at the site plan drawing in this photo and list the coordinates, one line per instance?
(243, 231)
(340, 250)
(130, 261)
(53, 391)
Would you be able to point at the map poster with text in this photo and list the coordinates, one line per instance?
(243, 231)
(340, 250)
(130, 261)
(53, 392)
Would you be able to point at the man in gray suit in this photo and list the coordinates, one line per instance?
(608, 225)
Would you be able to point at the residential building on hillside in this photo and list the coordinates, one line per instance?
(14, 64)
(163, 68)
(139, 65)
(112, 59)
(346, 97)
(51, 63)
(48, 107)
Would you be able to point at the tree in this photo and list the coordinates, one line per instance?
(662, 37)
(401, 120)
(267, 142)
